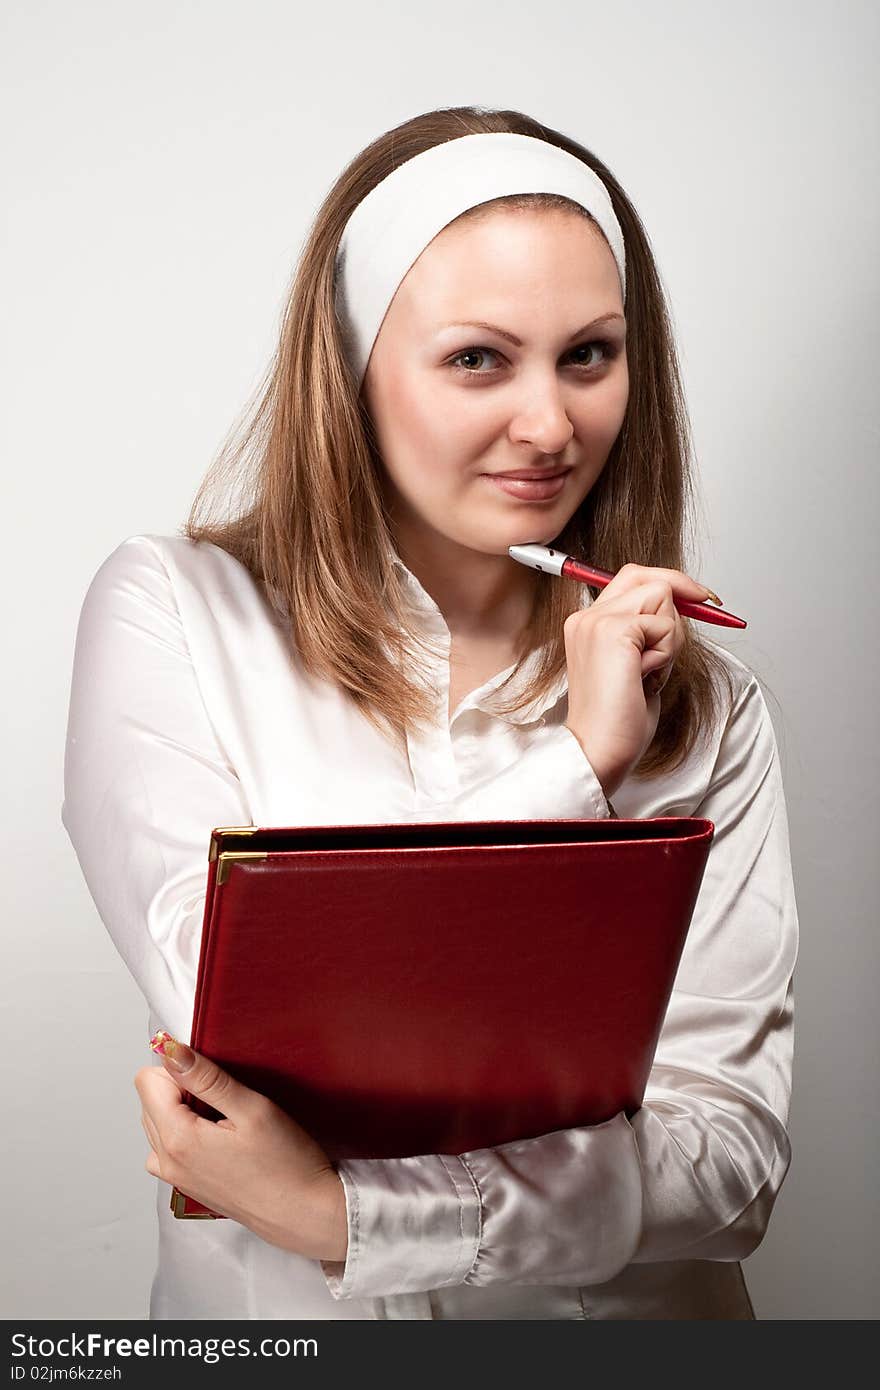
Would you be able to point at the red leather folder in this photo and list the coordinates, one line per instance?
(437, 988)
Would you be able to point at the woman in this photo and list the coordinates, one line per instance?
(476, 302)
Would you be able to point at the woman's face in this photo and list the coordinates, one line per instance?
(455, 405)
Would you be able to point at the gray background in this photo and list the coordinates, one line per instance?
(164, 162)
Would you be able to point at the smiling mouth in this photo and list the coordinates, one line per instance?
(542, 487)
(531, 475)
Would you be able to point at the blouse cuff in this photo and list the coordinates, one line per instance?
(413, 1224)
(578, 786)
(552, 780)
(561, 1208)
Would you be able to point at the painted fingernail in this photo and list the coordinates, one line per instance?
(713, 597)
(176, 1054)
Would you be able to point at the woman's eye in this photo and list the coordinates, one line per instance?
(471, 353)
(607, 350)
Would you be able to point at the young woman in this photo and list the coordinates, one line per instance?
(475, 354)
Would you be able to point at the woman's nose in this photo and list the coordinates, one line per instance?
(543, 420)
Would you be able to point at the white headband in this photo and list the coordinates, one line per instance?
(390, 228)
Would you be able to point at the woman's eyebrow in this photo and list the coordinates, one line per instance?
(512, 338)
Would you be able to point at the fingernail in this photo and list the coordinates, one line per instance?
(713, 597)
(178, 1056)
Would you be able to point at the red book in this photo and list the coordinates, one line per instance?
(437, 988)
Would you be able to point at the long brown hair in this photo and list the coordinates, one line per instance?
(300, 479)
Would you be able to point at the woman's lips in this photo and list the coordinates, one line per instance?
(531, 489)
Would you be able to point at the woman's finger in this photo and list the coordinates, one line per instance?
(655, 681)
(650, 633)
(651, 596)
(630, 576)
(155, 1086)
(654, 634)
(663, 641)
(200, 1076)
(160, 1099)
(150, 1131)
(659, 640)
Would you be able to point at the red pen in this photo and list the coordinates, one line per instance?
(542, 557)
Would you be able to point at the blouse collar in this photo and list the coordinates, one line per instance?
(433, 621)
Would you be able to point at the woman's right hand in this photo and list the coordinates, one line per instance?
(631, 631)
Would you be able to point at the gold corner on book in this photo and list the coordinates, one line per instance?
(178, 1206)
(228, 857)
(228, 830)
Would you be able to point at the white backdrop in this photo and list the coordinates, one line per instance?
(163, 164)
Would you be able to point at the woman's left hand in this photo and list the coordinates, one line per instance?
(256, 1166)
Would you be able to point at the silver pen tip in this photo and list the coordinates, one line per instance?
(539, 557)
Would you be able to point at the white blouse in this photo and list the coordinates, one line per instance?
(188, 711)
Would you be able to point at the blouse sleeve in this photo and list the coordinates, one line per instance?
(695, 1172)
(145, 779)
